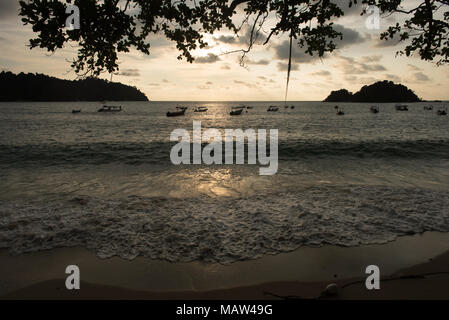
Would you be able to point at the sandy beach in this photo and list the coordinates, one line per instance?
(422, 273)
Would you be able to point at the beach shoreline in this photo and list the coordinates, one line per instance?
(302, 273)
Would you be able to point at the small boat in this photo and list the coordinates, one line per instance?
(249, 107)
(272, 109)
(401, 107)
(339, 112)
(442, 112)
(428, 108)
(236, 112)
(200, 109)
(292, 107)
(76, 110)
(110, 109)
(181, 111)
(374, 109)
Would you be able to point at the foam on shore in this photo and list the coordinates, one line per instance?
(223, 230)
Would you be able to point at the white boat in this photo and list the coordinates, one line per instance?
(200, 109)
(110, 109)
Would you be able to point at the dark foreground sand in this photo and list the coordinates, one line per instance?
(414, 267)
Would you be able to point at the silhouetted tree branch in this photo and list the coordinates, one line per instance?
(111, 26)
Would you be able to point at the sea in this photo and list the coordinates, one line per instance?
(105, 181)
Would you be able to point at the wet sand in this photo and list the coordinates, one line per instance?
(303, 273)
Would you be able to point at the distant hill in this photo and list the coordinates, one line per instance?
(382, 91)
(40, 87)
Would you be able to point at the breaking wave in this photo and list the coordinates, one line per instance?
(223, 230)
(136, 153)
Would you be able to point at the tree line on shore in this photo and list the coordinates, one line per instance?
(40, 87)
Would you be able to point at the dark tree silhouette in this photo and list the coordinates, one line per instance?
(112, 26)
(39, 87)
(381, 91)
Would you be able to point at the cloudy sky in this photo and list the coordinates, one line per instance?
(361, 59)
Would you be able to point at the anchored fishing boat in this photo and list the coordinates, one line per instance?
(442, 112)
(374, 109)
(181, 111)
(236, 112)
(272, 109)
(110, 109)
(76, 110)
(401, 107)
(200, 109)
(339, 112)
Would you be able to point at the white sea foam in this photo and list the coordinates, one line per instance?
(223, 230)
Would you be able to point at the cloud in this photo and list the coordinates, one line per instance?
(226, 39)
(350, 36)
(210, 58)
(393, 77)
(243, 38)
(360, 80)
(265, 79)
(130, 73)
(350, 65)
(153, 84)
(322, 73)
(281, 52)
(373, 58)
(355, 9)
(282, 66)
(9, 9)
(256, 62)
(258, 37)
(244, 83)
(419, 76)
(413, 68)
(351, 78)
(165, 80)
(205, 86)
(372, 67)
(379, 43)
(298, 54)
(225, 67)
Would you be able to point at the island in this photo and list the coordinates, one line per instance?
(40, 87)
(381, 91)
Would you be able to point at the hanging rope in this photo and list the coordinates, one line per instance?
(289, 67)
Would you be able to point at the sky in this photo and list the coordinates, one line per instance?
(216, 75)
